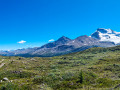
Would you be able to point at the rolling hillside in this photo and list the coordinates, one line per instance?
(92, 69)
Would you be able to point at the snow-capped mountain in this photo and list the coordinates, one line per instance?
(100, 38)
(106, 35)
(61, 46)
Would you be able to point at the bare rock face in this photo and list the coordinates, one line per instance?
(5, 79)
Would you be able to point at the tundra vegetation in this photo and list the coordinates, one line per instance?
(93, 69)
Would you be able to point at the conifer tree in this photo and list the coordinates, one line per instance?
(81, 77)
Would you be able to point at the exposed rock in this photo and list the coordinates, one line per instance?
(1, 81)
(5, 79)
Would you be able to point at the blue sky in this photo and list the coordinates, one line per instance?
(38, 21)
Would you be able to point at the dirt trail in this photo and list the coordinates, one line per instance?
(2, 64)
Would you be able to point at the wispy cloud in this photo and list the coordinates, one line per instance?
(51, 40)
(21, 42)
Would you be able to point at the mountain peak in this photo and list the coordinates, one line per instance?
(103, 34)
(63, 38)
(82, 37)
(66, 45)
(103, 30)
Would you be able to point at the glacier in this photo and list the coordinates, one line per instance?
(103, 34)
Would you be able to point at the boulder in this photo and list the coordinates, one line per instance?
(5, 79)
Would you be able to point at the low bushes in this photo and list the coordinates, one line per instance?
(16, 74)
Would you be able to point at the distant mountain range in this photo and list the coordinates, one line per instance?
(100, 38)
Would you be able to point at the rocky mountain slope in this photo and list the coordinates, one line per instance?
(64, 45)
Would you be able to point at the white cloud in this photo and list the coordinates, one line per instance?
(22, 41)
(51, 40)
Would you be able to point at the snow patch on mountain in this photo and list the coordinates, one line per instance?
(106, 35)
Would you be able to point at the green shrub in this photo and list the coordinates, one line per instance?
(16, 74)
(104, 82)
(38, 79)
(12, 86)
(52, 76)
(112, 68)
(64, 62)
(67, 85)
(86, 78)
(26, 87)
(49, 79)
(89, 78)
(68, 76)
(53, 66)
(9, 86)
